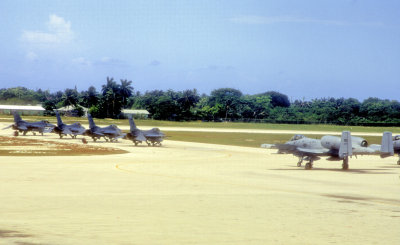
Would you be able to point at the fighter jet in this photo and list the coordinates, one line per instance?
(110, 133)
(21, 126)
(63, 129)
(152, 137)
(335, 148)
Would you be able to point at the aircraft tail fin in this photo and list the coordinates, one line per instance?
(17, 117)
(91, 122)
(59, 121)
(132, 123)
(387, 145)
(345, 148)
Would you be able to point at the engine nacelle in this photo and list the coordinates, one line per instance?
(359, 141)
(330, 142)
(396, 145)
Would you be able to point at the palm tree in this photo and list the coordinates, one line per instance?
(126, 90)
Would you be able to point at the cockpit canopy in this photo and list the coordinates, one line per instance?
(297, 137)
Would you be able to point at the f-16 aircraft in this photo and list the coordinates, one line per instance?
(335, 148)
(21, 126)
(109, 133)
(152, 137)
(63, 129)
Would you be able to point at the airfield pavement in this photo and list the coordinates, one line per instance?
(192, 193)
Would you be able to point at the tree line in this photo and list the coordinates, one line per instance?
(224, 104)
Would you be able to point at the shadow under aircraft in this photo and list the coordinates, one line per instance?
(64, 129)
(110, 133)
(21, 126)
(152, 137)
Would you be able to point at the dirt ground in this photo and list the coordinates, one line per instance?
(192, 193)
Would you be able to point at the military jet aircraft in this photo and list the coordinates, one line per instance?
(152, 137)
(63, 129)
(396, 147)
(335, 148)
(21, 126)
(110, 133)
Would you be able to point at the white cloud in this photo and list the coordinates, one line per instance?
(82, 61)
(31, 56)
(265, 20)
(58, 32)
(155, 63)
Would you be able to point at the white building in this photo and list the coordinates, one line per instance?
(22, 109)
(135, 113)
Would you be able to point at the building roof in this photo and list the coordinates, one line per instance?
(21, 107)
(127, 111)
(70, 108)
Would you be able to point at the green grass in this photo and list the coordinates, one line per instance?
(199, 124)
(242, 139)
(237, 139)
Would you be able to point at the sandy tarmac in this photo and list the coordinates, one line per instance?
(192, 193)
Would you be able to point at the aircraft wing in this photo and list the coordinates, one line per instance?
(109, 131)
(80, 130)
(22, 128)
(98, 133)
(48, 129)
(139, 136)
(366, 151)
(154, 136)
(67, 131)
(313, 151)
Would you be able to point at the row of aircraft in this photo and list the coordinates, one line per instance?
(306, 149)
(111, 133)
(336, 148)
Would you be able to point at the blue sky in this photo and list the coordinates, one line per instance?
(305, 49)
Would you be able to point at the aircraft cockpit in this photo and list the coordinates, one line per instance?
(297, 137)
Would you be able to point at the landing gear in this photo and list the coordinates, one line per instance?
(308, 166)
(300, 161)
(16, 133)
(345, 164)
(398, 162)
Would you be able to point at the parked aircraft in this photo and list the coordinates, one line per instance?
(21, 126)
(109, 133)
(396, 146)
(152, 137)
(335, 148)
(63, 129)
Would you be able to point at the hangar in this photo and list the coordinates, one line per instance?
(22, 109)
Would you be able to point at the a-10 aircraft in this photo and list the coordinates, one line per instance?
(64, 129)
(110, 133)
(152, 137)
(396, 147)
(21, 126)
(333, 147)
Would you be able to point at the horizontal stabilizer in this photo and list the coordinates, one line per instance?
(8, 126)
(268, 146)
